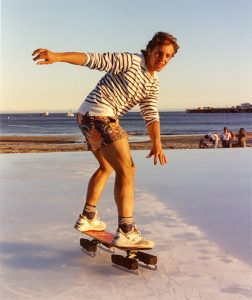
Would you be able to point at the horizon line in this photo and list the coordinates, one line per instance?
(65, 111)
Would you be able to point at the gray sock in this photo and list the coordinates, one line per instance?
(89, 211)
(125, 223)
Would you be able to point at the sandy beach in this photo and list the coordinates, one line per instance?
(73, 143)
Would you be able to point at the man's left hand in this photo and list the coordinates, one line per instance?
(158, 154)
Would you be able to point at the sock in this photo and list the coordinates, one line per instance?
(125, 223)
(89, 211)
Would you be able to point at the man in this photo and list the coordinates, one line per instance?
(130, 79)
(242, 135)
(226, 138)
(213, 139)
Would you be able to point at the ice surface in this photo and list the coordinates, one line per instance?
(197, 209)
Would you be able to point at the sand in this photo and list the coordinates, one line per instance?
(73, 143)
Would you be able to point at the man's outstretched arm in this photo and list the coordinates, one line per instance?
(45, 57)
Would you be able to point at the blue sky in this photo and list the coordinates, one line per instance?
(212, 68)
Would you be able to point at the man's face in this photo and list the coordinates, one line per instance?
(159, 57)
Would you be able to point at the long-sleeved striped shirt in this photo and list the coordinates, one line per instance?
(126, 83)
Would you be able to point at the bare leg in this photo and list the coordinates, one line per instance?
(118, 156)
(115, 156)
(98, 180)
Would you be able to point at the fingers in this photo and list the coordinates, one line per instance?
(38, 51)
(155, 159)
(149, 155)
(43, 62)
(161, 157)
(41, 55)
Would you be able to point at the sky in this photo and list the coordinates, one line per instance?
(213, 66)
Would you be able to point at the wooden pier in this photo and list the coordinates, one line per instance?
(219, 110)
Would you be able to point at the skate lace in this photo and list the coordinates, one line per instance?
(136, 232)
(96, 216)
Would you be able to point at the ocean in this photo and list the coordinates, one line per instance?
(172, 123)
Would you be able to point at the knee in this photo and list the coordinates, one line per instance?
(126, 169)
(106, 171)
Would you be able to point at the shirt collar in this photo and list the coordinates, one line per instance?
(144, 68)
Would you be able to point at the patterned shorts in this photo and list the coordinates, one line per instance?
(100, 131)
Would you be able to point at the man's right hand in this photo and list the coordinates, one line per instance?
(44, 56)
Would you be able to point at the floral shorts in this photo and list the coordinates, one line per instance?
(100, 131)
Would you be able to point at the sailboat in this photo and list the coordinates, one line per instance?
(46, 114)
(70, 113)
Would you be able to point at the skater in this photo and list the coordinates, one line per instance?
(130, 79)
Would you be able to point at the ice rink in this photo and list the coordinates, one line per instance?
(198, 210)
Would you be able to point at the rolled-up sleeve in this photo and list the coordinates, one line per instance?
(109, 62)
(149, 107)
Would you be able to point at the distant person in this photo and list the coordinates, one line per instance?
(203, 143)
(232, 136)
(210, 140)
(130, 79)
(241, 136)
(226, 138)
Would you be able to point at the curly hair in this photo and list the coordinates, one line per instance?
(161, 38)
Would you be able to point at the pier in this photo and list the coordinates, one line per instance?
(243, 108)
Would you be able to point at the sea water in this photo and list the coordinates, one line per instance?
(172, 123)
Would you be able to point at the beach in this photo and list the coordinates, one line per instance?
(73, 143)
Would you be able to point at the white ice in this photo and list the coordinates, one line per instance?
(197, 209)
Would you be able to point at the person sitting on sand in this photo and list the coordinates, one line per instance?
(203, 143)
(211, 138)
(226, 138)
(130, 79)
(242, 136)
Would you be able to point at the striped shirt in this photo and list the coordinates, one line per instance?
(126, 83)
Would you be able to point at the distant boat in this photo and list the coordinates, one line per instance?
(70, 113)
(46, 114)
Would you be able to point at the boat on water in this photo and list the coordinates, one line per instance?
(70, 113)
(46, 114)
